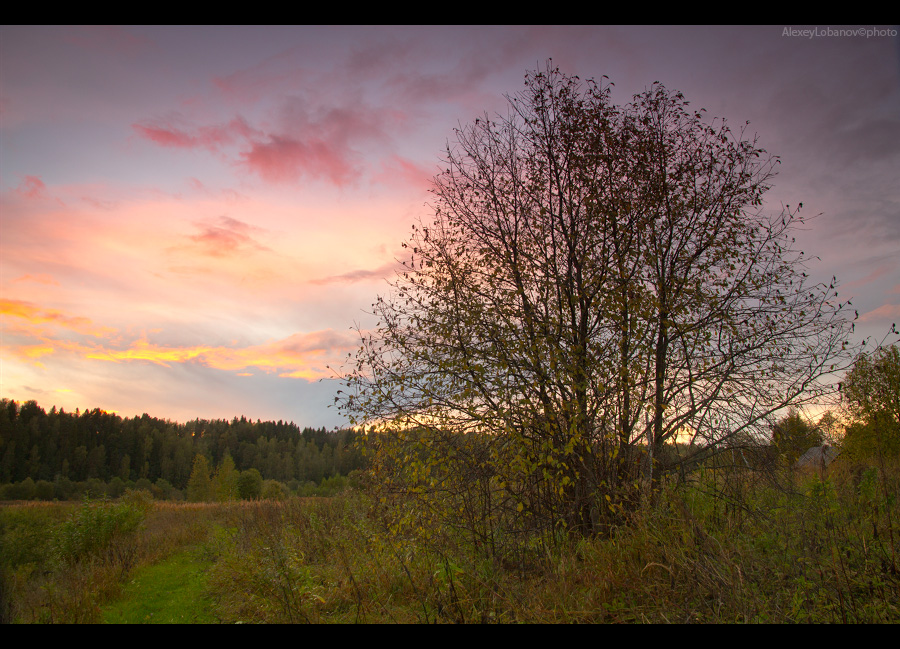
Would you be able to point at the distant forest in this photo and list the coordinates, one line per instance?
(83, 451)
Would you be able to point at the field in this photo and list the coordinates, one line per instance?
(741, 548)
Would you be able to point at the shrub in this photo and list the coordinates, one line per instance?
(96, 526)
(249, 484)
(273, 490)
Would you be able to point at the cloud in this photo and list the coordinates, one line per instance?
(36, 315)
(225, 237)
(40, 278)
(294, 138)
(361, 275)
(885, 312)
(307, 149)
(397, 170)
(300, 355)
(32, 187)
(871, 277)
(285, 159)
(168, 133)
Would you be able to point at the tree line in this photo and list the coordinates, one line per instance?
(64, 451)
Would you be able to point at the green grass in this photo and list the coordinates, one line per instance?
(170, 592)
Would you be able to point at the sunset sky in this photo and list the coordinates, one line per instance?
(193, 220)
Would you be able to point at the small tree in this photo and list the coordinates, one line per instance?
(597, 281)
(273, 490)
(793, 435)
(249, 484)
(200, 487)
(225, 480)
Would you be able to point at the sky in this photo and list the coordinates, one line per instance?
(195, 221)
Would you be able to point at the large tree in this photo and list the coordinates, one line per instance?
(597, 281)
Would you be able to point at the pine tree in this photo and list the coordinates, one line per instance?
(200, 487)
(225, 480)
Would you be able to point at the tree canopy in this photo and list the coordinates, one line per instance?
(871, 394)
(596, 282)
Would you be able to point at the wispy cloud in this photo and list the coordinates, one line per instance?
(879, 272)
(172, 132)
(225, 236)
(301, 355)
(36, 315)
(41, 278)
(361, 275)
(32, 187)
(306, 142)
(283, 159)
(884, 313)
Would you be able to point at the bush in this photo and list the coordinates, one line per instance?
(44, 490)
(96, 526)
(273, 490)
(249, 484)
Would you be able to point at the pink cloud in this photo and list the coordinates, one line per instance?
(307, 142)
(213, 138)
(883, 313)
(226, 236)
(871, 277)
(401, 171)
(166, 136)
(32, 187)
(284, 159)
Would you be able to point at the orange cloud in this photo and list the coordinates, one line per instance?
(141, 350)
(304, 355)
(37, 315)
(40, 278)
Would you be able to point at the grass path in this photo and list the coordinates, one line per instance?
(170, 592)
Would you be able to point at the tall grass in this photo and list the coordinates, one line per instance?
(728, 548)
(60, 563)
(725, 546)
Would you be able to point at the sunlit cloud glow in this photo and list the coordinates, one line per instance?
(37, 315)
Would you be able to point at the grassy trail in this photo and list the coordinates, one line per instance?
(170, 592)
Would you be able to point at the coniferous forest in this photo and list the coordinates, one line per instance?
(46, 455)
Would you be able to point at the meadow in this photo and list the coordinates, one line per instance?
(722, 547)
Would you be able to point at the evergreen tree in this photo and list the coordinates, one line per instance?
(200, 488)
(793, 435)
(225, 481)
